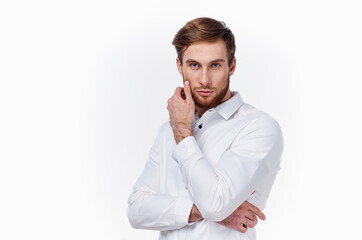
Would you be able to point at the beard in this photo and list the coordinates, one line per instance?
(210, 101)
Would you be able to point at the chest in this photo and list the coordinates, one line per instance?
(213, 140)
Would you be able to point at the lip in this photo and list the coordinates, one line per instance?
(204, 93)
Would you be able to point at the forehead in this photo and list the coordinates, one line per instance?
(206, 51)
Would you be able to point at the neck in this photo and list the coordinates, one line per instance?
(202, 110)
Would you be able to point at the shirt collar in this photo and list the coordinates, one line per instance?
(229, 107)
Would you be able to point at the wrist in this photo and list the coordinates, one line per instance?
(195, 214)
(181, 132)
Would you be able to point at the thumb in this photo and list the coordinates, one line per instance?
(187, 90)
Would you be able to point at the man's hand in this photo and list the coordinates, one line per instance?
(181, 108)
(243, 217)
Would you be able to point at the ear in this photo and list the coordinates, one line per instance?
(232, 67)
(179, 65)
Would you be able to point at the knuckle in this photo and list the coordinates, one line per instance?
(252, 224)
(233, 222)
(244, 211)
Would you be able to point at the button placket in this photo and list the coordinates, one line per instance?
(205, 118)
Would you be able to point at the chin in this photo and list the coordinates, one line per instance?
(203, 103)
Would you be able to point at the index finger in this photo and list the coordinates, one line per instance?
(187, 90)
(178, 91)
(255, 210)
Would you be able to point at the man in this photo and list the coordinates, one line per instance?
(212, 165)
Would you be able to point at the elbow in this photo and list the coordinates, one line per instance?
(133, 210)
(133, 223)
(132, 218)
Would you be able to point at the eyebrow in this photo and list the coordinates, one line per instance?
(216, 60)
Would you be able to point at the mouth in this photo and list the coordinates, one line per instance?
(204, 93)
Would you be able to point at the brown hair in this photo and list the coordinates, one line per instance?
(204, 29)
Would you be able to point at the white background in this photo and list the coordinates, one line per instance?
(84, 86)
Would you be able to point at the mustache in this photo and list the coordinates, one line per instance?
(203, 89)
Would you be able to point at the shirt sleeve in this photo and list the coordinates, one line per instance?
(218, 190)
(147, 208)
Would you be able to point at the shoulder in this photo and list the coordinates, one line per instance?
(262, 136)
(259, 122)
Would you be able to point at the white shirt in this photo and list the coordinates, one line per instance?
(235, 149)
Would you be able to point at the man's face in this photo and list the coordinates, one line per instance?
(205, 66)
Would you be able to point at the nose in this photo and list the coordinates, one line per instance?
(205, 79)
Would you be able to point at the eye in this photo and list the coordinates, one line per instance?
(215, 65)
(194, 66)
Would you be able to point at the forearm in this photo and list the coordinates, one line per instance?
(158, 212)
(213, 193)
(217, 190)
(216, 194)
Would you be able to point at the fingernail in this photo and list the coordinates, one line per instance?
(186, 83)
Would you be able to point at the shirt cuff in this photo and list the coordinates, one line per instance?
(187, 153)
(182, 211)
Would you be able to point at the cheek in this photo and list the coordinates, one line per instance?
(218, 76)
(223, 73)
(191, 75)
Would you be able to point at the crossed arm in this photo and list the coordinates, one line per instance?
(149, 208)
(244, 217)
(152, 208)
